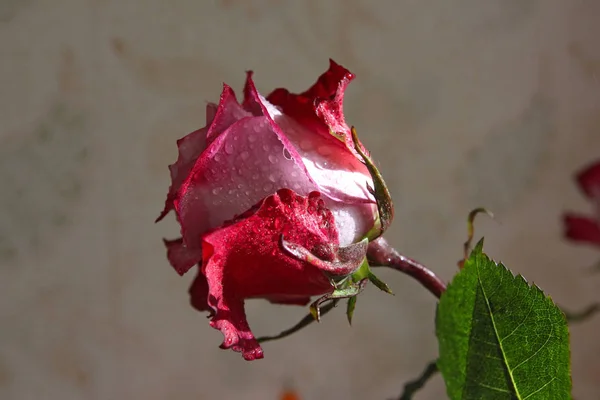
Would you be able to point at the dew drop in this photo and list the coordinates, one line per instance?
(255, 177)
(230, 191)
(293, 174)
(216, 190)
(228, 148)
(247, 193)
(245, 155)
(272, 177)
(218, 157)
(268, 187)
(239, 186)
(266, 147)
(272, 159)
(286, 154)
(252, 138)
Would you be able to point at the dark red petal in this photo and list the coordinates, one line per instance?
(582, 229)
(320, 107)
(180, 256)
(243, 259)
(199, 293)
(289, 300)
(589, 180)
(191, 146)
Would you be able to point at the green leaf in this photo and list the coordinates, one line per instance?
(500, 338)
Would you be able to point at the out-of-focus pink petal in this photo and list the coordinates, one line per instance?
(582, 229)
(589, 181)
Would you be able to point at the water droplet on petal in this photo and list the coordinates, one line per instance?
(245, 155)
(286, 154)
(268, 187)
(230, 191)
(239, 186)
(272, 177)
(247, 193)
(228, 148)
(216, 190)
(272, 159)
(293, 174)
(266, 147)
(255, 177)
(218, 157)
(252, 138)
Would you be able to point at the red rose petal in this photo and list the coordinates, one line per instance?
(582, 229)
(320, 107)
(243, 259)
(199, 293)
(589, 181)
(288, 300)
(337, 172)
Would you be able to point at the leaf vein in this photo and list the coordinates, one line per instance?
(534, 354)
(487, 302)
(540, 389)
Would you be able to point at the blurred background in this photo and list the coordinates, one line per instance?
(463, 103)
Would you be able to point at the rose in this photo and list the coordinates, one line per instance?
(274, 200)
(580, 228)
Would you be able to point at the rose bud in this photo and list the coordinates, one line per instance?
(276, 199)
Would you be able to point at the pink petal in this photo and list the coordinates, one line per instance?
(229, 111)
(191, 146)
(240, 167)
(589, 180)
(243, 259)
(582, 229)
(180, 256)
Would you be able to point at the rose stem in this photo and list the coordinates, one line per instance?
(380, 253)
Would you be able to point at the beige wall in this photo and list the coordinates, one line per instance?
(463, 103)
